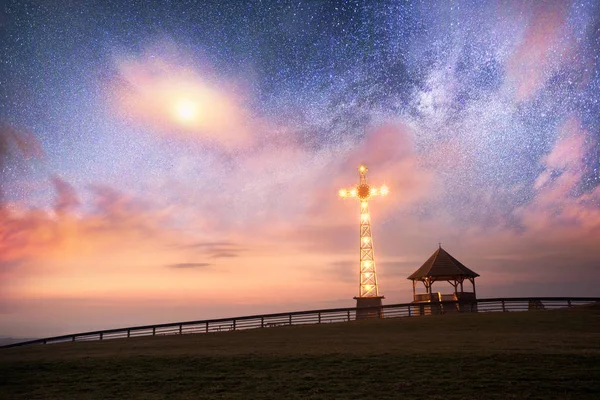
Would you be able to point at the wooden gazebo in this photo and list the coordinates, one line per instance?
(441, 266)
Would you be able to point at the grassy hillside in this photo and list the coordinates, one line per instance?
(532, 355)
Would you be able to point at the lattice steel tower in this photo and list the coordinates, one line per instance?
(368, 292)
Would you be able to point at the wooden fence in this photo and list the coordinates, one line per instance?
(321, 317)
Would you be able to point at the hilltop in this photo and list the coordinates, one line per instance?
(538, 354)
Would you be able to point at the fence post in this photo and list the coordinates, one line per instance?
(234, 324)
(128, 332)
(569, 303)
(206, 326)
(319, 317)
(409, 310)
(503, 307)
(262, 322)
(348, 315)
(153, 331)
(73, 338)
(181, 329)
(101, 335)
(290, 319)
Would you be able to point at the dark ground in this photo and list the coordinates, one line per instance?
(526, 355)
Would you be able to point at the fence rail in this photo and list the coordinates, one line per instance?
(321, 317)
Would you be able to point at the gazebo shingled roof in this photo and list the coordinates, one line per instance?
(441, 265)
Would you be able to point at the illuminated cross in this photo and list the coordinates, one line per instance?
(368, 295)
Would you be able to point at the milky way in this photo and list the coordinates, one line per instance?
(327, 70)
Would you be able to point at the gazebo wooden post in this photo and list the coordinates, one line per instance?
(461, 285)
(455, 295)
(473, 282)
(454, 284)
(414, 290)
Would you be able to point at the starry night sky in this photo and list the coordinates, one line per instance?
(482, 117)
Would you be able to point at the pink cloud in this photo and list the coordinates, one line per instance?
(66, 197)
(36, 234)
(126, 246)
(558, 229)
(557, 205)
(159, 93)
(388, 152)
(16, 146)
(539, 49)
(330, 223)
(13, 141)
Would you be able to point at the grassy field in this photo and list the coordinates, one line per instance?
(528, 355)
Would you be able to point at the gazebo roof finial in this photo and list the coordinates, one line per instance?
(442, 266)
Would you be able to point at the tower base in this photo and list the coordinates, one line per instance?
(369, 307)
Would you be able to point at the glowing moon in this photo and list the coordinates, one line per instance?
(186, 110)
